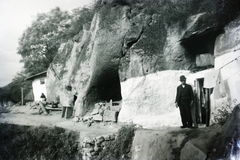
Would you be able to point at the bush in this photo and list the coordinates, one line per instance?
(24, 142)
(121, 146)
(223, 113)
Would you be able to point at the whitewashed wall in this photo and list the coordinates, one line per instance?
(227, 60)
(149, 101)
(38, 89)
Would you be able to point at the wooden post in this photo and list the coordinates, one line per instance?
(199, 101)
(22, 95)
(207, 107)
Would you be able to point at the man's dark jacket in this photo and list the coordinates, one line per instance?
(189, 91)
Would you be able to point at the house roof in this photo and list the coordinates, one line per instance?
(41, 74)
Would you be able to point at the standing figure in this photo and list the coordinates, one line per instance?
(68, 103)
(184, 100)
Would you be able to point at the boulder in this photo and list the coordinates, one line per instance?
(189, 150)
(226, 144)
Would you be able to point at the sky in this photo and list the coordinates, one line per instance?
(15, 17)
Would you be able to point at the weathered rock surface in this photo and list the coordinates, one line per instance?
(211, 143)
(123, 42)
(226, 145)
(223, 42)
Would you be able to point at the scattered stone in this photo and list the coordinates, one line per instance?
(88, 140)
(85, 119)
(95, 111)
(76, 119)
(103, 144)
(89, 155)
(101, 111)
(85, 157)
(99, 139)
(97, 118)
(109, 115)
(107, 137)
(87, 145)
(112, 137)
(96, 148)
(88, 150)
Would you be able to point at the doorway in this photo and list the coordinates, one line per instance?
(202, 102)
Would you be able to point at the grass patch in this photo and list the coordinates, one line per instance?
(24, 142)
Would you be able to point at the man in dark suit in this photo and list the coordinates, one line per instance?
(184, 100)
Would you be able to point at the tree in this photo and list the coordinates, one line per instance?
(40, 42)
(12, 92)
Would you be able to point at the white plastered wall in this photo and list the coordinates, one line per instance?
(38, 89)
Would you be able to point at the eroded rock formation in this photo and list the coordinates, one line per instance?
(127, 41)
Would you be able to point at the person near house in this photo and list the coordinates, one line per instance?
(68, 103)
(43, 104)
(184, 100)
(43, 97)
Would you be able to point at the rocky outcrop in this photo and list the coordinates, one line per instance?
(226, 145)
(172, 143)
(214, 142)
(123, 42)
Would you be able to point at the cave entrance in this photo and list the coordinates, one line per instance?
(104, 87)
(199, 47)
(202, 103)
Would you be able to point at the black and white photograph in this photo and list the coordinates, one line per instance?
(120, 80)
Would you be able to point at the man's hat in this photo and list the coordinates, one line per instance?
(182, 78)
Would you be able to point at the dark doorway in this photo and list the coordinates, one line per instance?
(74, 99)
(202, 102)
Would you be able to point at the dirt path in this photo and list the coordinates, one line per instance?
(23, 115)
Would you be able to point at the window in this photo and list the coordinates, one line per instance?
(42, 80)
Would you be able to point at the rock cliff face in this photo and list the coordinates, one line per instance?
(127, 41)
(214, 142)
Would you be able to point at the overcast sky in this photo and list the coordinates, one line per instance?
(15, 17)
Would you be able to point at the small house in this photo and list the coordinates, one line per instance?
(38, 84)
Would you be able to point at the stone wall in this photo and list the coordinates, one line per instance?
(91, 147)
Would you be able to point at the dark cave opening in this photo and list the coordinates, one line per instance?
(200, 47)
(200, 43)
(105, 86)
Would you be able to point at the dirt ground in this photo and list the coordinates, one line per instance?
(23, 115)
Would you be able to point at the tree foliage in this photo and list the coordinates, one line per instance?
(12, 92)
(40, 42)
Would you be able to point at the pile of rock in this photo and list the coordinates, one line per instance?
(91, 147)
(102, 112)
